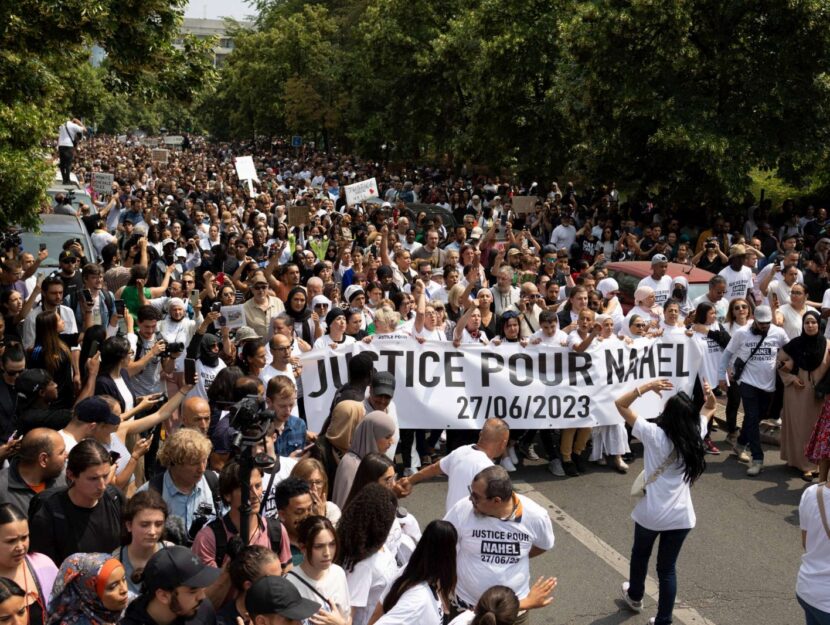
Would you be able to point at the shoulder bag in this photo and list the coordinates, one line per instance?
(638, 488)
(738, 367)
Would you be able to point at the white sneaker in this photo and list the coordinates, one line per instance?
(508, 465)
(556, 468)
(511, 453)
(634, 606)
(742, 451)
(755, 468)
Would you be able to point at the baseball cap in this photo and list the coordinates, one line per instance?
(244, 333)
(96, 410)
(67, 254)
(383, 383)
(386, 205)
(180, 251)
(763, 314)
(276, 595)
(513, 251)
(167, 242)
(476, 233)
(176, 566)
(659, 258)
(31, 381)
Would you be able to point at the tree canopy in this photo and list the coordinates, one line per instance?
(46, 77)
(687, 96)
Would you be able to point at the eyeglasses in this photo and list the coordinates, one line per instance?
(13, 374)
(475, 496)
(639, 325)
(189, 281)
(740, 307)
(260, 287)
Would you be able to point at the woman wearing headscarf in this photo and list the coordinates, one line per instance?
(90, 589)
(645, 308)
(375, 433)
(802, 363)
(345, 417)
(306, 323)
(680, 292)
(611, 306)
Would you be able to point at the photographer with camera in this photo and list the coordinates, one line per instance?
(711, 258)
(190, 491)
(177, 331)
(151, 356)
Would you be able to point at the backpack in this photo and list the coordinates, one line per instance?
(157, 484)
(273, 527)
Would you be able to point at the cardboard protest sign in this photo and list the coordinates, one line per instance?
(360, 191)
(160, 155)
(297, 215)
(102, 183)
(523, 204)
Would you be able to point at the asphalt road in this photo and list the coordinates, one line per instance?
(738, 566)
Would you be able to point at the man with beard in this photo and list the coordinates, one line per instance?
(173, 591)
(38, 466)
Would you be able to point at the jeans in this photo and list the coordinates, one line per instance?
(670, 543)
(65, 156)
(756, 402)
(733, 401)
(813, 616)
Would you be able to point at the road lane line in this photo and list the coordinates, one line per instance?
(605, 552)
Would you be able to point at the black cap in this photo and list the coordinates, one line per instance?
(383, 383)
(176, 566)
(96, 410)
(276, 595)
(67, 255)
(31, 381)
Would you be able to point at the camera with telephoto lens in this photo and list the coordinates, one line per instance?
(10, 239)
(172, 349)
(203, 514)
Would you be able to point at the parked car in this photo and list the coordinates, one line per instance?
(629, 273)
(55, 230)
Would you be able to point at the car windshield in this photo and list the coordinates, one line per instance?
(54, 243)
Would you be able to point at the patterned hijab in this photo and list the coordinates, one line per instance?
(76, 595)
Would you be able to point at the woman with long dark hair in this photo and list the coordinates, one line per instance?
(318, 578)
(362, 532)
(116, 355)
(251, 357)
(13, 604)
(422, 593)
(51, 353)
(674, 459)
(33, 571)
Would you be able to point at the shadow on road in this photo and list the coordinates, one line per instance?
(623, 616)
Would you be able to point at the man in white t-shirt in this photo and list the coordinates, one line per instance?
(464, 463)
(69, 134)
(757, 346)
(738, 276)
(498, 532)
(564, 235)
(658, 280)
(715, 296)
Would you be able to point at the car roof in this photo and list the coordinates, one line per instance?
(60, 223)
(642, 268)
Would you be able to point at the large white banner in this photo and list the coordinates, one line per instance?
(360, 191)
(439, 386)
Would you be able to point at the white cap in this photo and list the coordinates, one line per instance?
(180, 251)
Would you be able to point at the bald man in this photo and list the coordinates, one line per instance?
(196, 414)
(464, 463)
(38, 466)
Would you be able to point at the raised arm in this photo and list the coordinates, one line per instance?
(624, 402)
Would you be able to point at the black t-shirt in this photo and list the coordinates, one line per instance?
(714, 265)
(72, 285)
(59, 528)
(32, 418)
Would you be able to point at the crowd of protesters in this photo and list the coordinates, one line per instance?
(124, 496)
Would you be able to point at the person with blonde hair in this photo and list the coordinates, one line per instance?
(186, 486)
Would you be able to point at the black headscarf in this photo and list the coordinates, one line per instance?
(807, 352)
(301, 315)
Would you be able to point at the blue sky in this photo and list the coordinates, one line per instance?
(212, 9)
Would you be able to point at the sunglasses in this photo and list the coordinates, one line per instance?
(260, 287)
(13, 374)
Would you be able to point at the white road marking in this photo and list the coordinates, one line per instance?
(605, 552)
